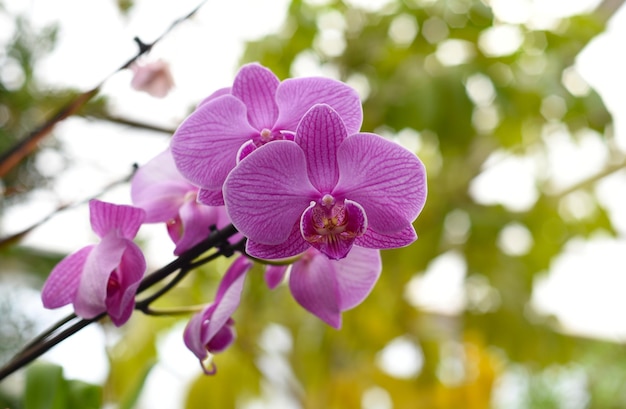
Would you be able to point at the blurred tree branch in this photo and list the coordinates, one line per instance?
(12, 156)
(103, 116)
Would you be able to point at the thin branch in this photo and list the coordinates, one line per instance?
(144, 304)
(10, 158)
(130, 122)
(16, 237)
(55, 334)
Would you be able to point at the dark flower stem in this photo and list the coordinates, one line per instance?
(71, 324)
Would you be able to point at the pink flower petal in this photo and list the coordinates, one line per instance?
(274, 275)
(211, 197)
(222, 339)
(291, 247)
(267, 192)
(320, 133)
(374, 240)
(313, 285)
(228, 296)
(192, 335)
(160, 201)
(158, 188)
(356, 275)
(107, 216)
(296, 96)
(120, 301)
(155, 78)
(214, 95)
(256, 86)
(196, 219)
(104, 258)
(62, 284)
(383, 177)
(206, 143)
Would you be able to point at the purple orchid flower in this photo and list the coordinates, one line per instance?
(212, 330)
(233, 122)
(167, 197)
(105, 276)
(327, 190)
(326, 287)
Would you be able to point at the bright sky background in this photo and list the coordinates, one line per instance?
(584, 285)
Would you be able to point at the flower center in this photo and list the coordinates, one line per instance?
(328, 218)
(265, 136)
(332, 226)
(113, 285)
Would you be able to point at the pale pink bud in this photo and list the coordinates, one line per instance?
(155, 78)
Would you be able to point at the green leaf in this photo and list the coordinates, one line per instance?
(83, 395)
(45, 387)
(132, 395)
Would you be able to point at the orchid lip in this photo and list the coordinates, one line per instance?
(332, 226)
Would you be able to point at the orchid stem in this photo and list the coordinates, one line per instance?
(173, 310)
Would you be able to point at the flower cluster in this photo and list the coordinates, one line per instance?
(286, 164)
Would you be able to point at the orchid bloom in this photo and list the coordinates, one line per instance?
(326, 287)
(105, 276)
(233, 122)
(212, 330)
(154, 78)
(167, 197)
(326, 190)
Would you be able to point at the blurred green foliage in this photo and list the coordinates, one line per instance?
(427, 71)
(47, 388)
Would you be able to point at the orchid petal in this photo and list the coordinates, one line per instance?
(107, 216)
(245, 150)
(222, 339)
(383, 177)
(104, 258)
(214, 95)
(296, 96)
(62, 284)
(228, 296)
(265, 196)
(161, 201)
(211, 329)
(356, 275)
(294, 245)
(313, 285)
(192, 335)
(196, 219)
(211, 197)
(374, 240)
(159, 189)
(206, 143)
(320, 133)
(274, 275)
(256, 86)
(121, 301)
